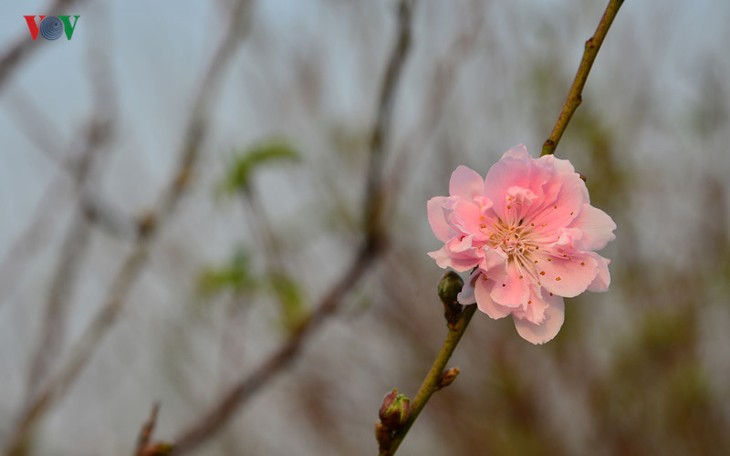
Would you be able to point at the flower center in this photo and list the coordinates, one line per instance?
(514, 240)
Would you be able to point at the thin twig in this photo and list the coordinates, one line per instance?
(77, 239)
(575, 97)
(372, 246)
(148, 428)
(132, 265)
(433, 380)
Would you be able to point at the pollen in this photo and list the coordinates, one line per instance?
(542, 273)
(557, 279)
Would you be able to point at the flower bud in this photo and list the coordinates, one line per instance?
(449, 288)
(395, 410)
(448, 377)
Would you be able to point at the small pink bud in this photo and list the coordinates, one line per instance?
(395, 410)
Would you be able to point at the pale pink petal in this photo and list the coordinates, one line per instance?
(534, 310)
(466, 183)
(442, 257)
(564, 170)
(466, 295)
(494, 263)
(511, 171)
(456, 255)
(545, 331)
(560, 211)
(567, 277)
(603, 278)
(514, 289)
(597, 227)
(484, 301)
(519, 203)
(467, 217)
(437, 218)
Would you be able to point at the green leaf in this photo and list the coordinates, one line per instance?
(234, 276)
(247, 161)
(290, 297)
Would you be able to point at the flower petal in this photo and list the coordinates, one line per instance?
(457, 254)
(603, 278)
(485, 303)
(436, 208)
(548, 329)
(558, 211)
(597, 227)
(512, 170)
(494, 263)
(467, 217)
(466, 295)
(466, 183)
(513, 291)
(569, 276)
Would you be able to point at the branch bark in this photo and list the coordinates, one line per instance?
(575, 95)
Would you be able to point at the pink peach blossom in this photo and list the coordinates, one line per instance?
(528, 234)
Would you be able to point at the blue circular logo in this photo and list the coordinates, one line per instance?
(51, 28)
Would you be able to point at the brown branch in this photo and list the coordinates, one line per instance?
(575, 97)
(132, 265)
(372, 246)
(78, 236)
(29, 242)
(441, 84)
(148, 428)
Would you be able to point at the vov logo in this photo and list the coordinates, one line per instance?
(51, 27)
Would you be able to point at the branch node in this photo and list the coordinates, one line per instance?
(448, 377)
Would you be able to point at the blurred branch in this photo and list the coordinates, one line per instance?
(77, 238)
(381, 130)
(38, 127)
(137, 258)
(145, 445)
(30, 240)
(372, 245)
(42, 131)
(575, 95)
(442, 81)
(148, 428)
(458, 318)
(24, 47)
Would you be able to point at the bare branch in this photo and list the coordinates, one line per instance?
(131, 268)
(372, 246)
(76, 241)
(592, 46)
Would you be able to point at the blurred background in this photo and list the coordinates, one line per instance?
(182, 186)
